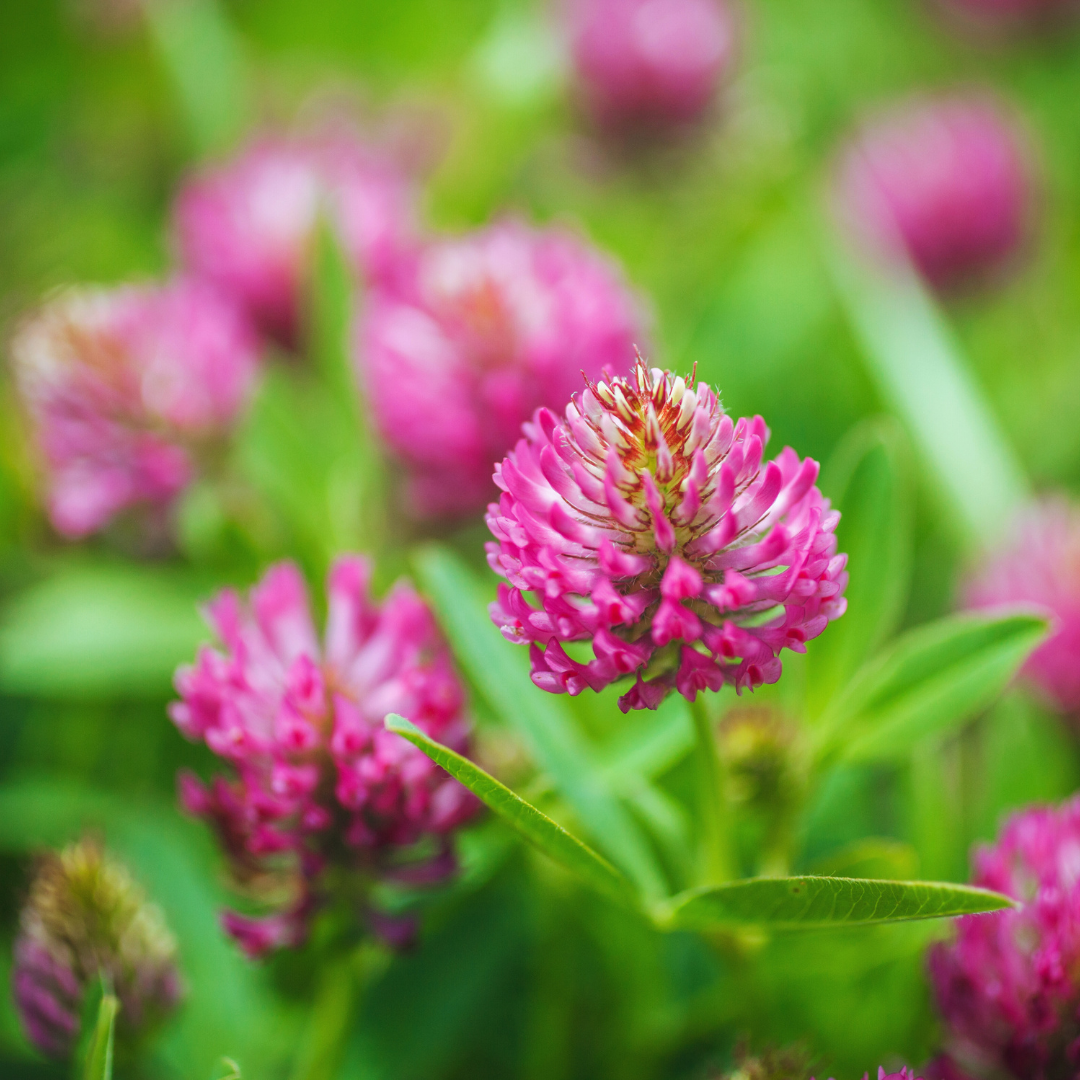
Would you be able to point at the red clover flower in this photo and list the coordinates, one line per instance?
(1040, 565)
(947, 179)
(650, 62)
(496, 324)
(248, 225)
(1007, 987)
(124, 388)
(644, 522)
(321, 787)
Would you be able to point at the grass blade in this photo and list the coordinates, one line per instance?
(99, 1053)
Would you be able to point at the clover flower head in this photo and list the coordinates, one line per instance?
(497, 323)
(649, 62)
(645, 522)
(86, 920)
(320, 787)
(1007, 987)
(1039, 564)
(248, 225)
(946, 180)
(124, 387)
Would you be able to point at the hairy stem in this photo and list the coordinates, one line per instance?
(715, 859)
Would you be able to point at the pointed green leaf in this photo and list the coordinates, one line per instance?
(543, 833)
(928, 682)
(99, 1052)
(867, 482)
(204, 58)
(499, 671)
(806, 902)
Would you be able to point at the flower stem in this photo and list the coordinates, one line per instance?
(715, 859)
(337, 999)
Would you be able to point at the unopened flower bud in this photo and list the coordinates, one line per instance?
(85, 921)
(758, 749)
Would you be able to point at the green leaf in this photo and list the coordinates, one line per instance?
(921, 373)
(543, 833)
(205, 60)
(928, 682)
(867, 481)
(99, 1054)
(227, 1069)
(90, 632)
(499, 671)
(806, 902)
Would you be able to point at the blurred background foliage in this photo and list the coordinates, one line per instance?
(519, 973)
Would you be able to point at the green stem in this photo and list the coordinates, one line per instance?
(716, 859)
(337, 999)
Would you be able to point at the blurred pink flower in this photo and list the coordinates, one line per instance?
(650, 61)
(947, 179)
(1040, 565)
(497, 323)
(1007, 987)
(320, 784)
(248, 225)
(645, 523)
(84, 921)
(122, 386)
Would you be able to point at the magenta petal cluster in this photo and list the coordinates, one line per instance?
(496, 324)
(320, 786)
(946, 180)
(249, 225)
(1040, 565)
(124, 387)
(1008, 987)
(650, 62)
(645, 522)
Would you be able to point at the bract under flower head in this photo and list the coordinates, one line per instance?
(644, 522)
(1007, 987)
(86, 919)
(249, 225)
(1040, 565)
(321, 786)
(646, 62)
(945, 179)
(123, 387)
(496, 324)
